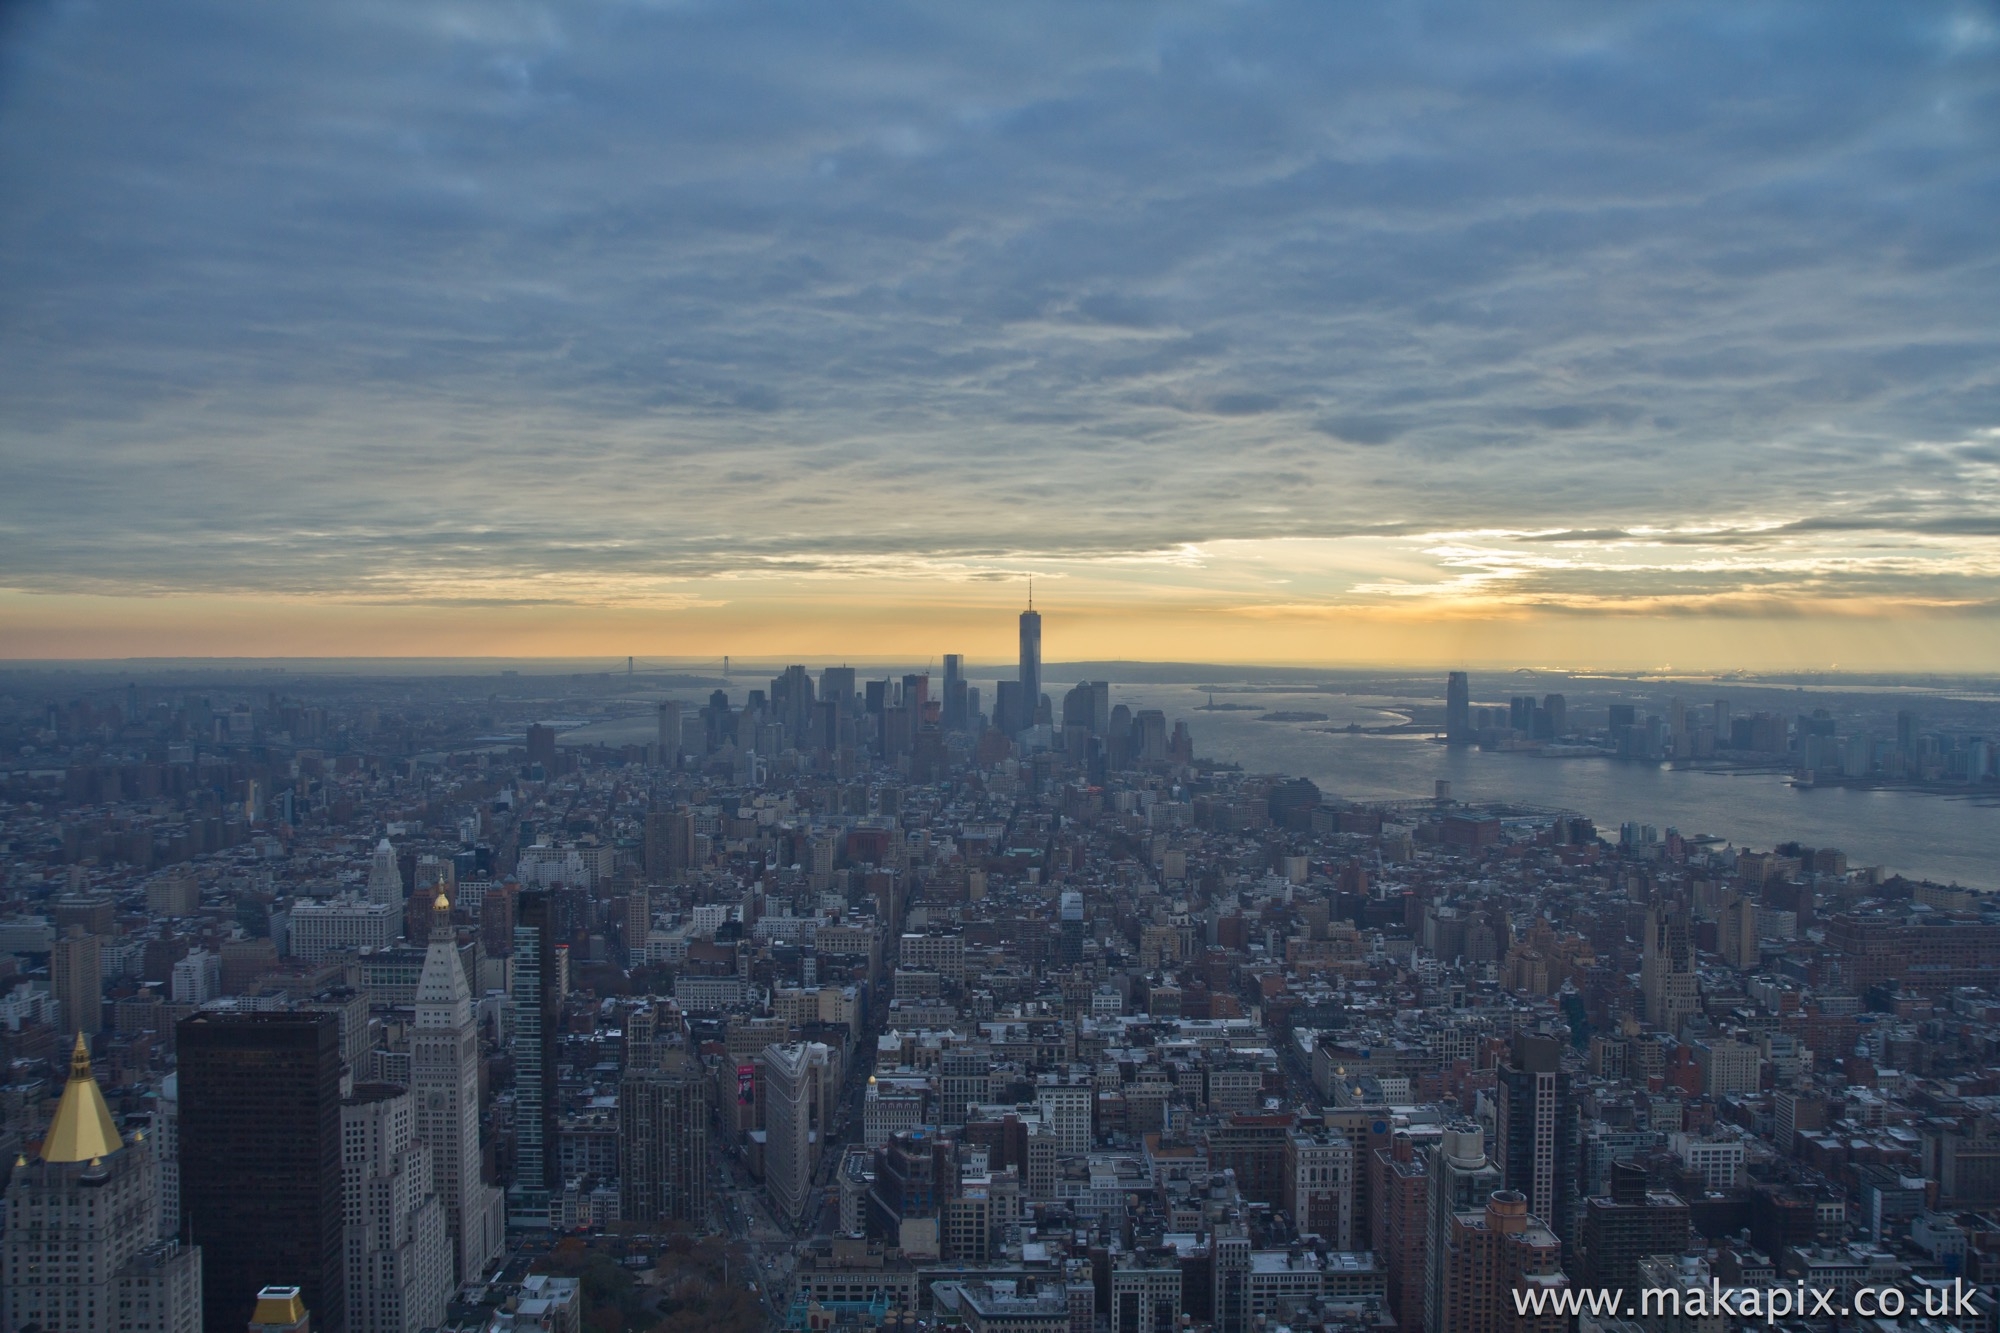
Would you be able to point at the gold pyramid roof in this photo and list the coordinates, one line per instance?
(83, 1128)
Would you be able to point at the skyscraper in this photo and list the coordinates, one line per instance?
(167, 1152)
(638, 920)
(1491, 1252)
(76, 976)
(792, 703)
(385, 877)
(1399, 1201)
(1460, 1178)
(537, 1012)
(836, 686)
(1086, 711)
(1008, 707)
(1736, 929)
(663, 1146)
(669, 741)
(1666, 968)
(669, 844)
(792, 1074)
(1031, 667)
(260, 1159)
(83, 1246)
(398, 1252)
(1070, 928)
(914, 1176)
(1458, 709)
(718, 723)
(1536, 1129)
(954, 717)
(444, 1085)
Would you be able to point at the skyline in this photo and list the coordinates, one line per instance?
(163, 631)
(1417, 337)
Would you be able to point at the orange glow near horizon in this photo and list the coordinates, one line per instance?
(922, 623)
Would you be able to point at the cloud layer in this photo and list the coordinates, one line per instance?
(1546, 306)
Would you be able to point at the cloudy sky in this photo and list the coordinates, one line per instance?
(1567, 333)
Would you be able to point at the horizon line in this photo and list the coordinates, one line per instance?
(657, 665)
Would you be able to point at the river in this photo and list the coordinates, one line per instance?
(1933, 837)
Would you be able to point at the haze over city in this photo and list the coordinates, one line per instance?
(1544, 334)
(1171, 666)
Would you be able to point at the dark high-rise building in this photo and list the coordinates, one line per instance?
(833, 727)
(260, 1160)
(668, 849)
(1031, 667)
(669, 742)
(1521, 713)
(1149, 736)
(663, 1146)
(537, 1015)
(1667, 979)
(792, 705)
(1008, 708)
(1088, 706)
(718, 721)
(541, 750)
(914, 1176)
(1536, 1129)
(1628, 1225)
(496, 918)
(836, 685)
(954, 717)
(1458, 709)
(76, 977)
(1069, 940)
